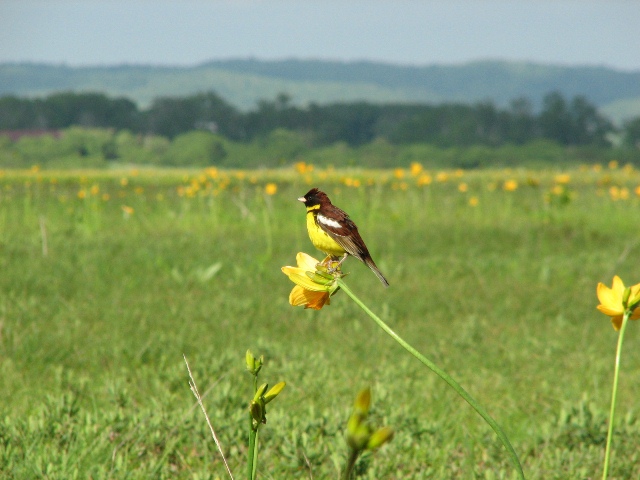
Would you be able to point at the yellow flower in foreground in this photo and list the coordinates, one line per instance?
(310, 299)
(613, 303)
(313, 285)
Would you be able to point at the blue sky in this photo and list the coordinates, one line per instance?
(89, 32)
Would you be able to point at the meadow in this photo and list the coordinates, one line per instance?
(108, 277)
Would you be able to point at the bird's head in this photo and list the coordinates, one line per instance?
(314, 197)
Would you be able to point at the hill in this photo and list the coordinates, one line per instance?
(243, 82)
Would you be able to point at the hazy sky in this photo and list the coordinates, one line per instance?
(90, 32)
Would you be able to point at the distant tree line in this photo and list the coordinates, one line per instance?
(574, 122)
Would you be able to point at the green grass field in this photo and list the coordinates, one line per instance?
(108, 278)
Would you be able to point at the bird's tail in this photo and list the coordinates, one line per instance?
(368, 261)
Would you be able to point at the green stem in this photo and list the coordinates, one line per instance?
(351, 463)
(255, 455)
(614, 394)
(445, 376)
(253, 450)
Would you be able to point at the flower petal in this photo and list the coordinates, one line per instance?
(310, 299)
(610, 298)
(617, 285)
(616, 322)
(306, 262)
(299, 277)
(609, 312)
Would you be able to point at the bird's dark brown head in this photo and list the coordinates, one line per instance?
(314, 197)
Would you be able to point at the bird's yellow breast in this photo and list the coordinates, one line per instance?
(320, 239)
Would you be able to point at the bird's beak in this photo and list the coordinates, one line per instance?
(302, 199)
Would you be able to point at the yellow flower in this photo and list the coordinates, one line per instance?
(510, 186)
(442, 177)
(303, 167)
(425, 179)
(127, 211)
(270, 188)
(612, 301)
(310, 299)
(313, 286)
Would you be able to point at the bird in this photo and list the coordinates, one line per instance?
(332, 231)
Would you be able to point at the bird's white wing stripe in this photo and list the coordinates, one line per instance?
(328, 221)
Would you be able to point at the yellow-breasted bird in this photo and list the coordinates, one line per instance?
(334, 233)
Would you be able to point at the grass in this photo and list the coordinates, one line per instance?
(501, 295)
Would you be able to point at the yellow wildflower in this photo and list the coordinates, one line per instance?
(613, 303)
(313, 286)
(442, 177)
(510, 186)
(425, 179)
(308, 298)
(270, 188)
(127, 211)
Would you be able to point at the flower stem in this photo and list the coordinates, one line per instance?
(445, 376)
(351, 463)
(252, 457)
(614, 394)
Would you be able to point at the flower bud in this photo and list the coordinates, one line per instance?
(273, 393)
(379, 438)
(257, 412)
(251, 361)
(363, 402)
(260, 392)
(358, 433)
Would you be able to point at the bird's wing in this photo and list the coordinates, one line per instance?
(342, 229)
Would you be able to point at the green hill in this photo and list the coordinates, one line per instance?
(244, 82)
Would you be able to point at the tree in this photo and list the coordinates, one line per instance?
(588, 127)
(171, 116)
(521, 125)
(632, 133)
(555, 119)
(198, 148)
